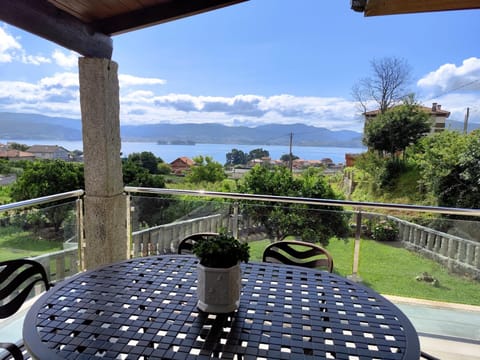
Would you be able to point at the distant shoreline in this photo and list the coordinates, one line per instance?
(218, 152)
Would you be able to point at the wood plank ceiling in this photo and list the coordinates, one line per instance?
(392, 7)
(86, 26)
(113, 17)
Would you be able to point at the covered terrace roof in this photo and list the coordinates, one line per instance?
(392, 7)
(87, 26)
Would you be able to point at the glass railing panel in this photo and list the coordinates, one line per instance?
(160, 223)
(425, 255)
(422, 255)
(48, 234)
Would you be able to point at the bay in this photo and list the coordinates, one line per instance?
(217, 151)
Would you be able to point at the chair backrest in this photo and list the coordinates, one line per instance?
(17, 279)
(298, 253)
(186, 245)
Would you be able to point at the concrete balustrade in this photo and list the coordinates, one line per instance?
(457, 254)
(164, 239)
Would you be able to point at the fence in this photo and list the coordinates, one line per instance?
(164, 239)
(457, 254)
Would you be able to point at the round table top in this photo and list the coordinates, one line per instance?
(145, 308)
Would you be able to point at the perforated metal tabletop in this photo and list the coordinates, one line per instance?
(146, 309)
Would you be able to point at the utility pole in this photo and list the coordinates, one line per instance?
(291, 154)
(465, 122)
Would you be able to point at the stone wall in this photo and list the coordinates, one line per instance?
(457, 254)
(164, 239)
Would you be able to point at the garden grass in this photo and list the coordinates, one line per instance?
(16, 243)
(392, 270)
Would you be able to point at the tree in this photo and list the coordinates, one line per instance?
(386, 86)
(236, 157)
(257, 154)
(436, 155)
(164, 168)
(5, 167)
(286, 157)
(136, 175)
(147, 160)
(311, 223)
(48, 177)
(17, 146)
(397, 128)
(461, 186)
(147, 208)
(205, 169)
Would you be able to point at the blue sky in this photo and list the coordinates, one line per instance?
(262, 61)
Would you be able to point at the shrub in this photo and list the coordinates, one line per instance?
(385, 230)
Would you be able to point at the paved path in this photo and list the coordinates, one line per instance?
(447, 331)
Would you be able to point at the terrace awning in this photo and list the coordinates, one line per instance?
(86, 26)
(392, 7)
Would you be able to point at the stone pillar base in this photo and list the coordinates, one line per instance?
(106, 236)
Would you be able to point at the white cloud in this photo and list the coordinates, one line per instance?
(334, 113)
(457, 104)
(8, 46)
(58, 95)
(34, 59)
(450, 77)
(64, 80)
(11, 50)
(52, 96)
(455, 87)
(130, 80)
(69, 60)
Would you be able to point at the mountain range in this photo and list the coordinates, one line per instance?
(40, 127)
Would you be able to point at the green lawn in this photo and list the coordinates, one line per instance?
(392, 270)
(17, 243)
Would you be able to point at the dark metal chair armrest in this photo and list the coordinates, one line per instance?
(424, 355)
(13, 350)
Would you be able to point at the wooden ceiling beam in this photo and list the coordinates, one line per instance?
(391, 7)
(41, 18)
(168, 10)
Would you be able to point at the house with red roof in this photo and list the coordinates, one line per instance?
(181, 165)
(436, 112)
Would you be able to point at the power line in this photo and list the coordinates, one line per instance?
(457, 88)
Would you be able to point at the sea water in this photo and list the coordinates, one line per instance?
(218, 152)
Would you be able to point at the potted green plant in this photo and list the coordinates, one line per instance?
(219, 273)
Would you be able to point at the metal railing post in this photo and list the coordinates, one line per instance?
(128, 202)
(356, 249)
(80, 234)
(235, 220)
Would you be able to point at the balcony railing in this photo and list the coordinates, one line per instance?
(438, 248)
(161, 218)
(47, 229)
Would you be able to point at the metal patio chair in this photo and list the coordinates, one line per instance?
(186, 245)
(17, 280)
(292, 252)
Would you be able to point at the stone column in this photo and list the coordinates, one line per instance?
(106, 237)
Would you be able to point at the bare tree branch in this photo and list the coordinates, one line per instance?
(386, 86)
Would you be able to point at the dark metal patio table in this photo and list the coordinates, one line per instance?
(145, 308)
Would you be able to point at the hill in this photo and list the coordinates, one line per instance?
(39, 127)
(272, 134)
(33, 126)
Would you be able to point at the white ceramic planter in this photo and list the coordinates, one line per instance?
(218, 289)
